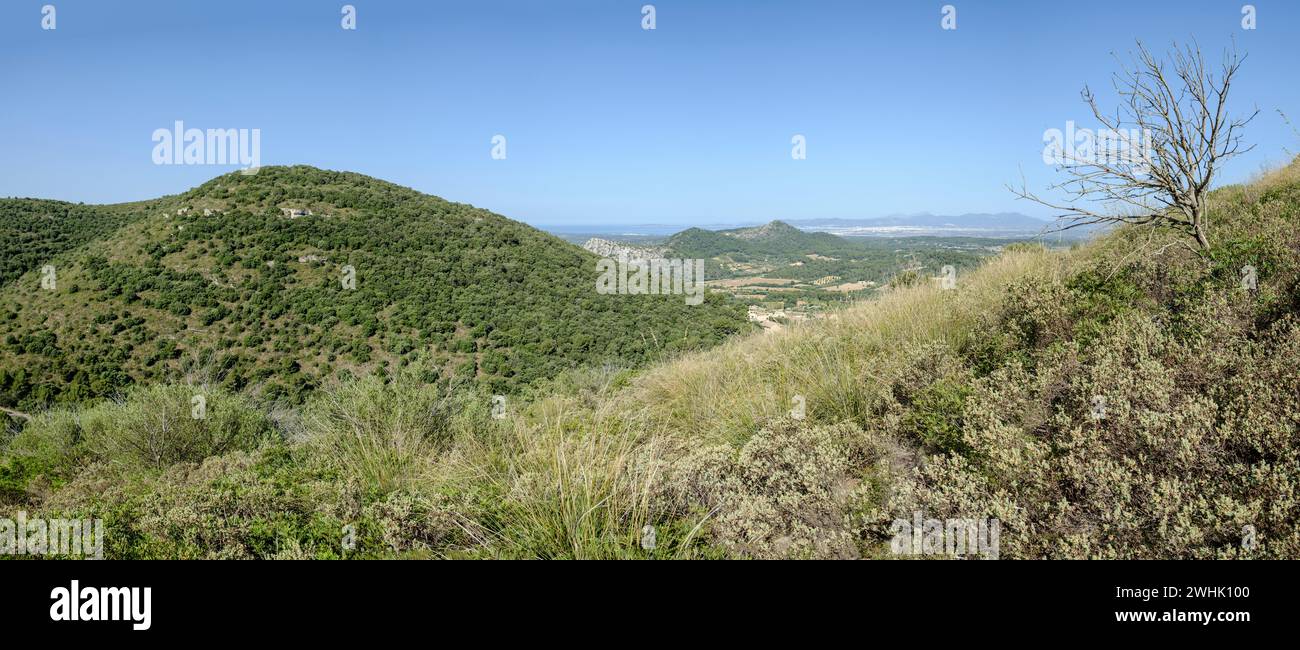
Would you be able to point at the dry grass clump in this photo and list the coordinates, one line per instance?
(381, 433)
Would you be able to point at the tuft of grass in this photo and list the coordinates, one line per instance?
(382, 433)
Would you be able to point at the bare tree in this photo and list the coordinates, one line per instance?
(1158, 152)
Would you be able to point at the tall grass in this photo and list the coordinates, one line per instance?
(382, 433)
(576, 471)
(837, 364)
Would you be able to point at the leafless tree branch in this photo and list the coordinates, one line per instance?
(1157, 154)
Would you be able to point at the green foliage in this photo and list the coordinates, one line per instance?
(934, 418)
(151, 428)
(791, 491)
(1181, 462)
(268, 504)
(16, 475)
(35, 232)
(906, 279)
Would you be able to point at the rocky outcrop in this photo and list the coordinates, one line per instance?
(609, 248)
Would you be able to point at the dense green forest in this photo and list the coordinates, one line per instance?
(34, 231)
(222, 284)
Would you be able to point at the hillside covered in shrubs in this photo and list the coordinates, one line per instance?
(279, 282)
(1124, 399)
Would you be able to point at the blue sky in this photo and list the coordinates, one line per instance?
(605, 122)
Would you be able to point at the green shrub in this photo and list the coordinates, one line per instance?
(49, 446)
(1032, 313)
(905, 279)
(151, 428)
(158, 426)
(935, 418)
(1183, 458)
(267, 504)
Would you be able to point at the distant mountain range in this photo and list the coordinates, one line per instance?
(1002, 224)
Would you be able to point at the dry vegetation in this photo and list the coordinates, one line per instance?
(972, 402)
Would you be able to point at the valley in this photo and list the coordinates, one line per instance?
(783, 274)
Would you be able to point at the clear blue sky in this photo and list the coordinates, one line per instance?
(606, 123)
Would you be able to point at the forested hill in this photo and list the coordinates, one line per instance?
(279, 281)
(774, 239)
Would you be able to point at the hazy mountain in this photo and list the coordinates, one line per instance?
(1002, 224)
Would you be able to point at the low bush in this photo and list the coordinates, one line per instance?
(149, 428)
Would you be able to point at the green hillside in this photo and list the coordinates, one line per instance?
(34, 231)
(222, 284)
(1125, 399)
